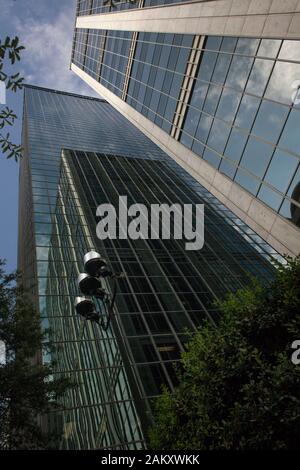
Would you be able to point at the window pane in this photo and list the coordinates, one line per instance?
(204, 127)
(290, 137)
(236, 144)
(228, 44)
(281, 170)
(293, 191)
(199, 94)
(247, 112)
(198, 148)
(290, 50)
(257, 156)
(191, 121)
(269, 48)
(247, 182)
(186, 140)
(212, 99)
(247, 46)
(221, 68)
(213, 43)
(218, 135)
(228, 105)
(207, 65)
(280, 86)
(212, 158)
(270, 121)
(239, 71)
(270, 197)
(259, 76)
(227, 168)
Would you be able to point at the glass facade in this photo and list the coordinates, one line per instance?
(94, 7)
(166, 290)
(241, 114)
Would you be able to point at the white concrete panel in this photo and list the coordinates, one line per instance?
(244, 17)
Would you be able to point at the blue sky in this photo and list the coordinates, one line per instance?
(45, 28)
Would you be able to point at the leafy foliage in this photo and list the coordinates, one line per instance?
(12, 82)
(27, 387)
(238, 388)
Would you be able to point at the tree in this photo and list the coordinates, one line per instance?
(238, 388)
(27, 387)
(12, 82)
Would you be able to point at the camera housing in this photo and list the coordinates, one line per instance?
(85, 308)
(88, 285)
(93, 262)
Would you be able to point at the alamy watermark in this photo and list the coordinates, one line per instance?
(138, 222)
(296, 355)
(2, 92)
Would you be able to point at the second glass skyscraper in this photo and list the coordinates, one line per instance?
(79, 153)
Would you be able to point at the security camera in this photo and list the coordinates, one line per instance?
(89, 285)
(104, 271)
(85, 308)
(93, 262)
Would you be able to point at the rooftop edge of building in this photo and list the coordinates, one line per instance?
(52, 90)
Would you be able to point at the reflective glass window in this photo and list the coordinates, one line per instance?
(213, 43)
(238, 72)
(256, 156)
(221, 68)
(212, 99)
(191, 121)
(259, 76)
(199, 94)
(290, 138)
(228, 104)
(270, 197)
(281, 170)
(270, 120)
(247, 181)
(218, 135)
(247, 46)
(212, 157)
(290, 50)
(247, 112)
(228, 44)
(294, 189)
(269, 48)
(236, 145)
(280, 86)
(227, 168)
(204, 127)
(207, 65)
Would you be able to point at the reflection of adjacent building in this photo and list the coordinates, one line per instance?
(212, 83)
(295, 210)
(166, 291)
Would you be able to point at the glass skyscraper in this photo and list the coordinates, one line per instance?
(216, 84)
(79, 153)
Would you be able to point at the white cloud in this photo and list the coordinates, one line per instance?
(46, 59)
